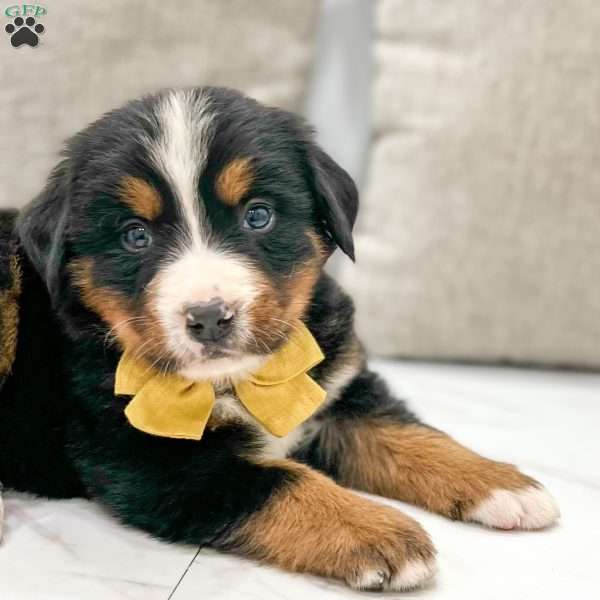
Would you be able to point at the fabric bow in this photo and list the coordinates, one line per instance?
(280, 395)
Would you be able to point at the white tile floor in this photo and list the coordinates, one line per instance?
(547, 423)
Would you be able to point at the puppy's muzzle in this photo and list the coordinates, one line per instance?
(209, 321)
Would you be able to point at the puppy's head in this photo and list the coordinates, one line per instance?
(192, 227)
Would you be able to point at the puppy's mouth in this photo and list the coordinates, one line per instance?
(221, 364)
(218, 352)
(188, 351)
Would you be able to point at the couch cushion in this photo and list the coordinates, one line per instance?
(479, 237)
(95, 56)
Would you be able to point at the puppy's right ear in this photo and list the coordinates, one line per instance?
(42, 228)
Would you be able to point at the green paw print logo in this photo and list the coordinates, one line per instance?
(24, 28)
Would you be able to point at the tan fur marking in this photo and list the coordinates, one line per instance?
(273, 312)
(9, 318)
(417, 464)
(276, 308)
(300, 290)
(109, 304)
(313, 525)
(141, 197)
(321, 251)
(234, 181)
(116, 311)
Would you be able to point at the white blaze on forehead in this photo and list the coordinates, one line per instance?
(196, 270)
(181, 151)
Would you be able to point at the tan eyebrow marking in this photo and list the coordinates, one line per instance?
(234, 181)
(141, 197)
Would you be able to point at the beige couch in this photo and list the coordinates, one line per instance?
(480, 231)
(478, 235)
(95, 56)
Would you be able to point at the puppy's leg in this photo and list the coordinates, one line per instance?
(283, 513)
(312, 525)
(369, 441)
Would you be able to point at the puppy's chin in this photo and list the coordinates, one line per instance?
(224, 368)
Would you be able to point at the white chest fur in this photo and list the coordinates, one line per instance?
(228, 408)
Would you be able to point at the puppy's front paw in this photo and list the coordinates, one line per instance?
(413, 574)
(390, 552)
(530, 507)
(315, 526)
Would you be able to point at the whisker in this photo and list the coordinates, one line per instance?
(111, 334)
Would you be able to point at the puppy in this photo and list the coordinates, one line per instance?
(204, 200)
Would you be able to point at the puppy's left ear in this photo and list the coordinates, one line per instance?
(42, 228)
(337, 198)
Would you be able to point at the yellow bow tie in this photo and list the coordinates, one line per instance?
(280, 395)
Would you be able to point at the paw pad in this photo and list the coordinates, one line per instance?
(24, 31)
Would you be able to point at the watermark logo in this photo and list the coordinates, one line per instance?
(25, 28)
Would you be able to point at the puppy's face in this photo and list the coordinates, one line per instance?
(193, 224)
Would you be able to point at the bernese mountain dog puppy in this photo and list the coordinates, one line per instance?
(191, 228)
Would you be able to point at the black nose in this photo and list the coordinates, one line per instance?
(209, 321)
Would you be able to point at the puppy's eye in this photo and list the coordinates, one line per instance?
(259, 217)
(136, 237)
